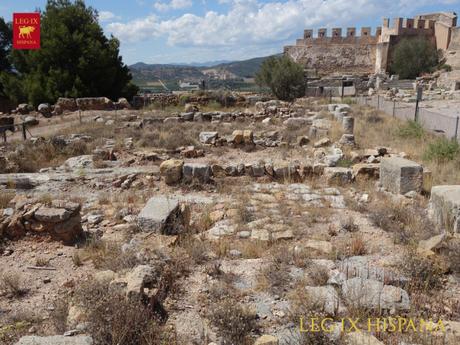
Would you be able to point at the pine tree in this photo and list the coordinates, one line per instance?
(76, 59)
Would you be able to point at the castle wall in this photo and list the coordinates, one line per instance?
(347, 52)
(443, 36)
(336, 54)
(453, 53)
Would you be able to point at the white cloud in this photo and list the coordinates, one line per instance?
(172, 5)
(105, 16)
(258, 23)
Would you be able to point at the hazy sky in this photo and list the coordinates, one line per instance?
(164, 31)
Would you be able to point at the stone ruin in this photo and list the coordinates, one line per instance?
(58, 219)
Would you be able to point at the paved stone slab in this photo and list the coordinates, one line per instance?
(400, 176)
(55, 340)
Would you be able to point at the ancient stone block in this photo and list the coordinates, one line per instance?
(338, 175)
(68, 104)
(445, 208)
(267, 340)
(159, 212)
(208, 137)
(373, 294)
(237, 137)
(171, 170)
(94, 103)
(196, 171)
(347, 140)
(348, 124)
(400, 176)
(427, 180)
(366, 171)
(52, 215)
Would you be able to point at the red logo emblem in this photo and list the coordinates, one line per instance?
(26, 30)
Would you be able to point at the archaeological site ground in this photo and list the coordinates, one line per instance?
(220, 217)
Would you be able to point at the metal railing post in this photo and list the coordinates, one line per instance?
(378, 102)
(24, 133)
(394, 108)
(456, 129)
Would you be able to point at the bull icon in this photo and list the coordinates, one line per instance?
(26, 31)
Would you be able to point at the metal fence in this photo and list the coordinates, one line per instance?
(430, 120)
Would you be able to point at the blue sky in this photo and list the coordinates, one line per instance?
(166, 31)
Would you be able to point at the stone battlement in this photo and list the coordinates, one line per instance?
(337, 34)
(409, 23)
(339, 50)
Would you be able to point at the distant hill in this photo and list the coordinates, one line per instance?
(244, 69)
(147, 73)
(203, 64)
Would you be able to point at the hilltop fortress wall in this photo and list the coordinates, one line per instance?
(347, 52)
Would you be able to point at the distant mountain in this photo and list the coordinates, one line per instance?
(245, 68)
(202, 64)
(145, 73)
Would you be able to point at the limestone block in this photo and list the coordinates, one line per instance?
(157, 213)
(445, 208)
(400, 176)
(208, 137)
(267, 340)
(348, 124)
(171, 170)
(197, 171)
(338, 175)
(427, 180)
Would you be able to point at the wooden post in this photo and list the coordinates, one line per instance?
(394, 108)
(24, 133)
(4, 134)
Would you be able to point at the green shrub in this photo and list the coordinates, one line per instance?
(442, 150)
(184, 99)
(344, 163)
(411, 129)
(283, 76)
(445, 67)
(412, 57)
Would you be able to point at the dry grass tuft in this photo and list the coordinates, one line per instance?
(409, 224)
(114, 319)
(234, 321)
(11, 283)
(108, 256)
(5, 198)
(348, 224)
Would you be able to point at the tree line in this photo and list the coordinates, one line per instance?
(76, 59)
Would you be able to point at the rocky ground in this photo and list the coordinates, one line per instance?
(146, 227)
